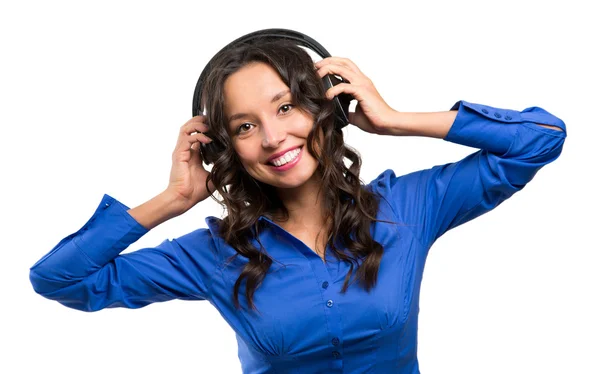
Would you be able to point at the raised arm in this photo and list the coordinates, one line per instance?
(437, 124)
(86, 271)
(513, 147)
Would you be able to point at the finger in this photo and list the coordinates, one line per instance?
(194, 125)
(357, 118)
(346, 62)
(195, 147)
(186, 142)
(195, 152)
(351, 65)
(340, 70)
(348, 88)
(198, 137)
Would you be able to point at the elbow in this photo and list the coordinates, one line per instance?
(530, 152)
(542, 118)
(555, 128)
(47, 282)
(545, 151)
(539, 143)
(556, 124)
(55, 290)
(42, 284)
(37, 281)
(555, 146)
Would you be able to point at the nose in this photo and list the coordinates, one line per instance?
(273, 134)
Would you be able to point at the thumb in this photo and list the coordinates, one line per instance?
(195, 156)
(358, 119)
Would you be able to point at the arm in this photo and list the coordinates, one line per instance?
(157, 210)
(513, 147)
(86, 271)
(433, 124)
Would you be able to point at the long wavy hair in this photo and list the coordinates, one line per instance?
(349, 207)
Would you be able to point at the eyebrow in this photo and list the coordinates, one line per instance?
(274, 99)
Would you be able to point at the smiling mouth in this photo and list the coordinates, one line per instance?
(288, 157)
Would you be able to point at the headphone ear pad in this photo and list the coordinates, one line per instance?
(209, 152)
(341, 101)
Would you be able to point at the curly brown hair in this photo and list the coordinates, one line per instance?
(350, 208)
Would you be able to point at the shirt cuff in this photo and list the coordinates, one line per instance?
(106, 234)
(483, 127)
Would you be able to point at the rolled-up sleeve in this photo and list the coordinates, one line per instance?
(513, 147)
(86, 271)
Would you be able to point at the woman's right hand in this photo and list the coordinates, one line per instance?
(187, 181)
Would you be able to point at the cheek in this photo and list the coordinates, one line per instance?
(247, 156)
(305, 124)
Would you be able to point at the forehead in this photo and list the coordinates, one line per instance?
(254, 84)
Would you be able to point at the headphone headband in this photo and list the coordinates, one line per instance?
(266, 34)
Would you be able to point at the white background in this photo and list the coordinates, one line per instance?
(92, 95)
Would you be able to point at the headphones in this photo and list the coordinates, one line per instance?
(210, 151)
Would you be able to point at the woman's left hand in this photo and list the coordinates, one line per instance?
(372, 114)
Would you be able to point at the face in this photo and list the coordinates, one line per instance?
(267, 130)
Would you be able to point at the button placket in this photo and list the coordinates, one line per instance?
(332, 313)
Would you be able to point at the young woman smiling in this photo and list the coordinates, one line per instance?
(314, 270)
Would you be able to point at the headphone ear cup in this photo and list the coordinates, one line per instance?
(209, 152)
(341, 101)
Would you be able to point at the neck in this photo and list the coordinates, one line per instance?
(304, 204)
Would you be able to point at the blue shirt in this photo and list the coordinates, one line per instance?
(305, 325)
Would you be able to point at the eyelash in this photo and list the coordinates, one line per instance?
(238, 131)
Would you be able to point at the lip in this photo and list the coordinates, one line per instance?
(279, 154)
(289, 165)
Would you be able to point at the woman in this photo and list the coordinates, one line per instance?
(314, 271)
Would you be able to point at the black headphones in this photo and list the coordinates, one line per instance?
(341, 101)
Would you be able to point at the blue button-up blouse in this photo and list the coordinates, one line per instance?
(304, 324)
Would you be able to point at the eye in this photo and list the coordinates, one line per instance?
(244, 127)
(290, 106)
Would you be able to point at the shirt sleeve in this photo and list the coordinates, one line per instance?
(512, 148)
(86, 271)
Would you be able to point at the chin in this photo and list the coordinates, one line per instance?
(293, 181)
(291, 184)
(293, 178)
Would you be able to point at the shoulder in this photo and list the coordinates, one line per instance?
(205, 240)
(388, 182)
(382, 179)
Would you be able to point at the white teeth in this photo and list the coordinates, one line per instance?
(288, 157)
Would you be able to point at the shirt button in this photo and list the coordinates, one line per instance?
(497, 115)
(508, 118)
(336, 354)
(484, 111)
(335, 341)
(325, 284)
(106, 205)
(330, 303)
